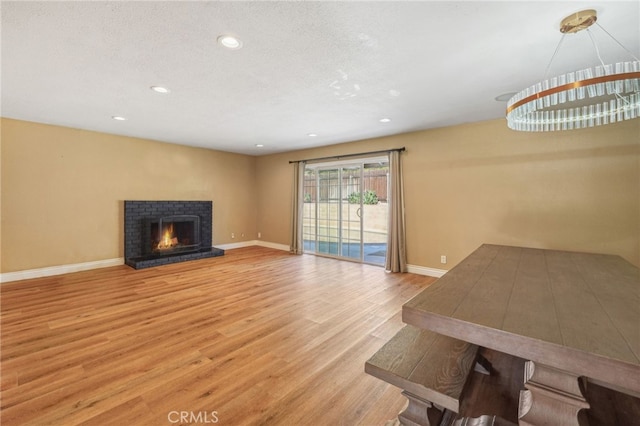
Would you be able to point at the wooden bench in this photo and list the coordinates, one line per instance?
(432, 370)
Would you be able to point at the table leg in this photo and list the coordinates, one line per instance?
(553, 397)
(419, 412)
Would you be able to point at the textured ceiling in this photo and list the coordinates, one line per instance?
(330, 68)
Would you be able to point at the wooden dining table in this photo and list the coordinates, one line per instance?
(575, 318)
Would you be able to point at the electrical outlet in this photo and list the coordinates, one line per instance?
(242, 235)
(233, 235)
(443, 259)
(259, 235)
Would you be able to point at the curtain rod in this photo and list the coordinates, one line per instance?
(338, 157)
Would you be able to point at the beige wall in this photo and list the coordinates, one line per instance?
(63, 191)
(481, 182)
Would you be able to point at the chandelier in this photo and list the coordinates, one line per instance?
(591, 97)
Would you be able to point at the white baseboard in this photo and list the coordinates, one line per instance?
(77, 267)
(59, 270)
(232, 246)
(260, 243)
(272, 245)
(423, 270)
(414, 269)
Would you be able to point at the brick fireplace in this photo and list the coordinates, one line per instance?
(162, 232)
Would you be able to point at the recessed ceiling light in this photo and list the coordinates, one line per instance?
(312, 135)
(160, 89)
(385, 120)
(118, 117)
(259, 145)
(230, 42)
(505, 96)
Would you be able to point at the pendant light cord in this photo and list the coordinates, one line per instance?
(616, 40)
(546, 72)
(595, 46)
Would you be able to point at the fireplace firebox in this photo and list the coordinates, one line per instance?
(163, 232)
(173, 234)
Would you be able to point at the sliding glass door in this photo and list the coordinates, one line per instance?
(345, 210)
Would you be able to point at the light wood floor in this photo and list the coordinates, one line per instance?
(257, 336)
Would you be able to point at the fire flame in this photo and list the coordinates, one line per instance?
(168, 240)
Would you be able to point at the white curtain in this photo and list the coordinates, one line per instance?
(396, 245)
(297, 208)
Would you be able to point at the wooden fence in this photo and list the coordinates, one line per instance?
(372, 180)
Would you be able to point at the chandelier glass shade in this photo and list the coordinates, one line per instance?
(595, 96)
(586, 98)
